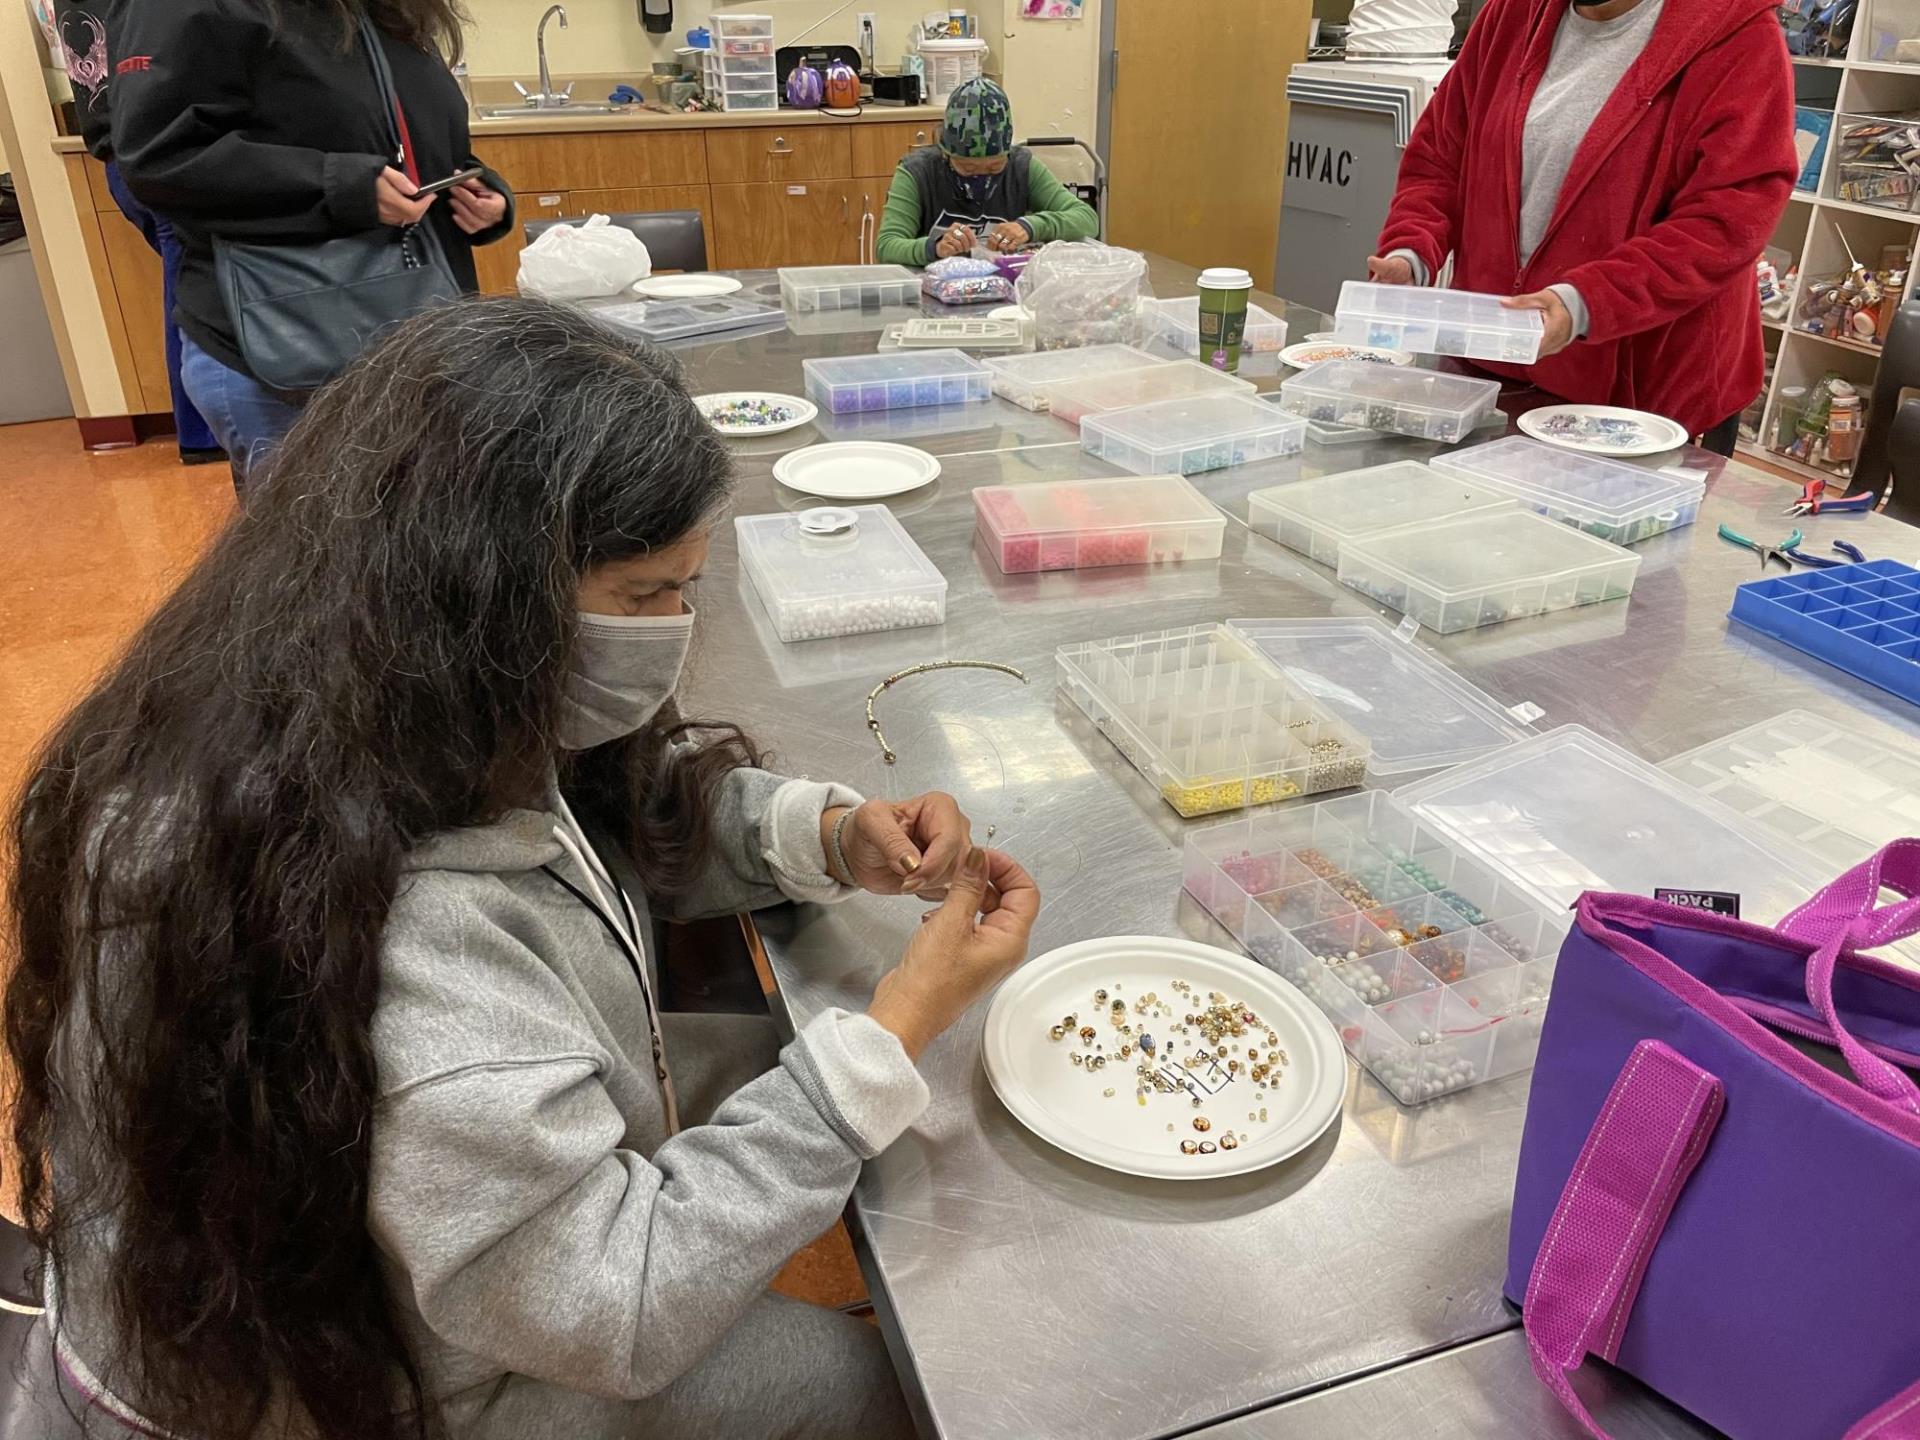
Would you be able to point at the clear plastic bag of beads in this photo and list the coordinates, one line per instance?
(966, 280)
(1084, 293)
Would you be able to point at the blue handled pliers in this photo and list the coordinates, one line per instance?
(1853, 553)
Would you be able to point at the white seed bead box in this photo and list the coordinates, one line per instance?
(839, 571)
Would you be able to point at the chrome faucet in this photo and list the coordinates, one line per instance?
(546, 99)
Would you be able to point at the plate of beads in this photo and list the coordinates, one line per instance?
(755, 412)
(1164, 1058)
(1309, 353)
(1604, 430)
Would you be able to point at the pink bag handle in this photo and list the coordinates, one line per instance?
(1848, 915)
(1643, 1147)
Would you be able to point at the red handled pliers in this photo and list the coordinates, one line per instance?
(1813, 501)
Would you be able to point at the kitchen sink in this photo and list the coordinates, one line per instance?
(523, 109)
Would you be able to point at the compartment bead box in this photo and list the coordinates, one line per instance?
(1086, 524)
(898, 380)
(1210, 721)
(1435, 971)
(1865, 619)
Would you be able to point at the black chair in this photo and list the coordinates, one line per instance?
(675, 239)
(1890, 450)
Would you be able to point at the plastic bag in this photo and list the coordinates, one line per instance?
(1081, 292)
(578, 262)
(963, 280)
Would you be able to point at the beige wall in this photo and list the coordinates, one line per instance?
(606, 35)
(59, 246)
(1048, 67)
(1051, 71)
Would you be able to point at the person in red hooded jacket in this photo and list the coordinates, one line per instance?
(1619, 168)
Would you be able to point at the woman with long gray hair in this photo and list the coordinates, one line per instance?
(345, 1107)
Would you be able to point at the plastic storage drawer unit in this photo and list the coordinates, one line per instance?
(1085, 524)
(1622, 503)
(835, 571)
(1200, 432)
(1318, 516)
(1030, 380)
(1401, 400)
(1126, 388)
(847, 287)
(1178, 323)
(1212, 723)
(1436, 322)
(1482, 569)
(898, 380)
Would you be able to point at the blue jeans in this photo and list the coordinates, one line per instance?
(248, 418)
(189, 428)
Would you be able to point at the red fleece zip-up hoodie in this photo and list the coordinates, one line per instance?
(1673, 193)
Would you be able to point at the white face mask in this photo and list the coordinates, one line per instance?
(624, 668)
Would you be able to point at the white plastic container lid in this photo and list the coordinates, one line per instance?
(1486, 552)
(1585, 490)
(1350, 503)
(1225, 277)
(1417, 710)
(952, 47)
(1568, 812)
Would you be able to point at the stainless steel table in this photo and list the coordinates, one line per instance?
(1027, 1294)
(1479, 1390)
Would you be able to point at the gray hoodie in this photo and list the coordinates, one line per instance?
(539, 1222)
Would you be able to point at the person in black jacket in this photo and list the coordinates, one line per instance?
(264, 123)
(84, 26)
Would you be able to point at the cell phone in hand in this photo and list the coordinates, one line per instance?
(447, 184)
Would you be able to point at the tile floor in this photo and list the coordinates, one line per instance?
(89, 543)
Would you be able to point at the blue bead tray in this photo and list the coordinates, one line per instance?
(1863, 618)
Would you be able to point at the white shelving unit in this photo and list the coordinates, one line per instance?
(1815, 221)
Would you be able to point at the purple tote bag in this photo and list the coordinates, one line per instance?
(1700, 1202)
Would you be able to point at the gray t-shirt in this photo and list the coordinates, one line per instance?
(1589, 58)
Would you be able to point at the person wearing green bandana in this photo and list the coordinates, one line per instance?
(976, 187)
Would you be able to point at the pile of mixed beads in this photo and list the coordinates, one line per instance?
(1208, 1045)
(750, 414)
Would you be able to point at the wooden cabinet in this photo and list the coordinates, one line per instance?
(877, 149)
(127, 274)
(646, 201)
(810, 222)
(498, 264)
(596, 160)
(778, 153)
(141, 289)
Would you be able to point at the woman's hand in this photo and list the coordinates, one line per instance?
(957, 241)
(1390, 270)
(476, 206)
(963, 949)
(913, 847)
(390, 191)
(1553, 310)
(1008, 236)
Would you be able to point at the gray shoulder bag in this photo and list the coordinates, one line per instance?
(303, 311)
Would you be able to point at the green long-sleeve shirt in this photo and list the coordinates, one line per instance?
(923, 202)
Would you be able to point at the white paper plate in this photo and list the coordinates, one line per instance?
(695, 286)
(798, 411)
(856, 469)
(1309, 353)
(1603, 429)
(1066, 1106)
